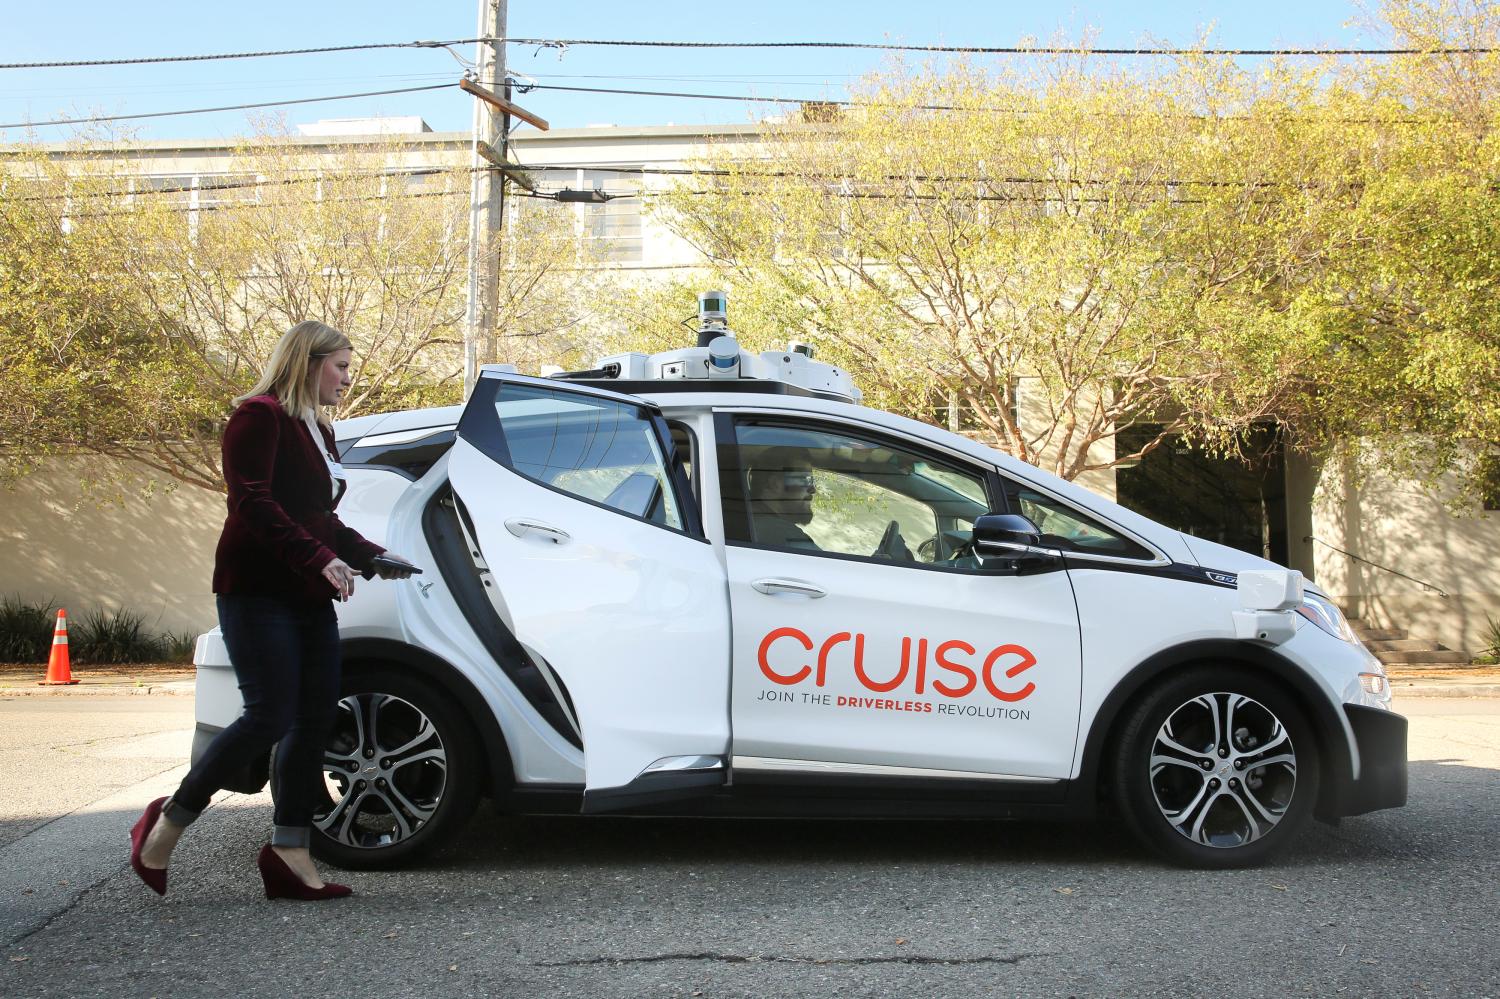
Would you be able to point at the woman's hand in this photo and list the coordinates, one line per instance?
(341, 576)
(391, 572)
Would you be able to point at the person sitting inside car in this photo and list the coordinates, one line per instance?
(782, 488)
(780, 500)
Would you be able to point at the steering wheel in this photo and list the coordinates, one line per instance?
(962, 547)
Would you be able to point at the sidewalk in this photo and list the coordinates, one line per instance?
(24, 680)
(21, 680)
(1466, 681)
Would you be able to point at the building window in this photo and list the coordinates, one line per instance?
(167, 189)
(614, 227)
(611, 230)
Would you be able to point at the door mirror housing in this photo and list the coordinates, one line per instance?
(1010, 535)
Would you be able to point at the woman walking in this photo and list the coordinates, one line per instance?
(282, 559)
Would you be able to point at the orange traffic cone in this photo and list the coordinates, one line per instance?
(59, 670)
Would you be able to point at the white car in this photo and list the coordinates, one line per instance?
(708, 582)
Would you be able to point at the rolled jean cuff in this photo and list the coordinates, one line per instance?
(299, 837)
(179, 815)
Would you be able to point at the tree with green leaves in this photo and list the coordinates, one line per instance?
(131, 311)
(1081, 249)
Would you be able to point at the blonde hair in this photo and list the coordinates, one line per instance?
(292, 372)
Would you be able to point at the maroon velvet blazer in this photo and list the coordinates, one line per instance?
(281, 530)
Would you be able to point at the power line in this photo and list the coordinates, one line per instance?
(562, 43)
(237, 185)
(736, 98)
(228, 107)
(730, 97)
(61, 91)
(61, 64)
(649, 171)
(912, 178)
(226, 206)
(834, 102)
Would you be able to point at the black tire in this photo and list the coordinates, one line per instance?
(1202, 802)
(391, 800)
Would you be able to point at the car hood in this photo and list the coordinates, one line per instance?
(1212, 555)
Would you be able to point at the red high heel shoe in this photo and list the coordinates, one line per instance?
(155, 878)
(282, 882)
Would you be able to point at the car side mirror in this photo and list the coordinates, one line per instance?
(1010, 535)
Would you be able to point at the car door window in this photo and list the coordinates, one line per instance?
(596, 449)
(823, 490)
(1064, 527)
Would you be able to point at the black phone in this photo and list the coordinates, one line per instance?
(381, 562)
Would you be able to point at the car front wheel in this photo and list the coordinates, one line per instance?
(400, 770)
(1216, 767)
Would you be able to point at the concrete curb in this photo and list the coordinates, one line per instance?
(106, 689)
(1444, 688)
(182, 683)
(1425, 687)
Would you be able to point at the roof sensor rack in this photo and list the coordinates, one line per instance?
(718, 363)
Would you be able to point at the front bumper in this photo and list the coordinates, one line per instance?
(1380, 737)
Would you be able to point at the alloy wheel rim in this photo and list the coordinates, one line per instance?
(385, 769)
(1223, 770)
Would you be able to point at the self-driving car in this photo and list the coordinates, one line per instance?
(710, 582)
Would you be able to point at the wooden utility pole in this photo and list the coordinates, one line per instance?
(486, 195)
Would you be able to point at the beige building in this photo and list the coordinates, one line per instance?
(1390, 553)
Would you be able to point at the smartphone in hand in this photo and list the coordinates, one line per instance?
(381, 563)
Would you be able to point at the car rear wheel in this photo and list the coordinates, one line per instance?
(401, 771)
(1216, 767)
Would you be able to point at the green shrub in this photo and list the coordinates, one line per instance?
(1491, 637)
(178, 647)
(118, 637)
(25, 631)
(1490, 653)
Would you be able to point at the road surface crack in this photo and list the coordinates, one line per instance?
(718, 958)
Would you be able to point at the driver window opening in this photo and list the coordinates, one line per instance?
(827, 492)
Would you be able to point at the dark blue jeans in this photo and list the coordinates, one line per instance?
(286, 657)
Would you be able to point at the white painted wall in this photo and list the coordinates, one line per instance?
(151, 555)
(1399, 525)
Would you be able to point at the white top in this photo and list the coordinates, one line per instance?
(335, 470)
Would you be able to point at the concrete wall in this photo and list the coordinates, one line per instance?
(65, 543)
(1032, 415)
(1403, 527)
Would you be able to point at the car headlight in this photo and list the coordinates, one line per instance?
(1322, 612)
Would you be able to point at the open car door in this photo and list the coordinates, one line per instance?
(596, 562)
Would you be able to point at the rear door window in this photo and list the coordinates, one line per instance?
(601, 450)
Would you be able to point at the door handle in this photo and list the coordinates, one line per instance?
(522, 526)
(774, 586)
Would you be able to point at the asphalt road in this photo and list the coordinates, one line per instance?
(1397, 903)
(59, 753)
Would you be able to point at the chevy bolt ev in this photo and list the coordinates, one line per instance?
(709, 582)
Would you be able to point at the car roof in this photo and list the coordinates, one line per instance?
(676, 401)
(404, 419)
